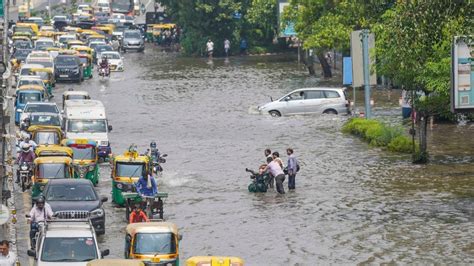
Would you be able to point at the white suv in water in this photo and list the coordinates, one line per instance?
(309, 101)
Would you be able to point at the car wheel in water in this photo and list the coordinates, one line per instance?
(275, 113)
(330, 112)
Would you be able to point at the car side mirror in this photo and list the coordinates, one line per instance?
(164, 155)
(31, 253)
(109, 127)
(104, 199)
(287, 98)
(105, 252)
(180, 237)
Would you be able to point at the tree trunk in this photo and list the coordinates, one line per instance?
(325, 65)
(422, 156)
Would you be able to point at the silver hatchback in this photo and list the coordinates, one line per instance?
(309, 101)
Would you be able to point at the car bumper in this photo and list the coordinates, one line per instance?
(115, 68)
(67, 77)
(134, 47)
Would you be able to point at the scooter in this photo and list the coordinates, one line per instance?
(157, 160)
(104, 71)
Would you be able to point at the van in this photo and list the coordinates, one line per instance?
(86, 119)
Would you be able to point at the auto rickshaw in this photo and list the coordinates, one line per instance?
(22, 36)
(149, 32)
(87, 65)
(47, 75)
(75, 95)
(46, 34)
(96, 38)
(74, 43)
(82, 49)
(104, 28)
(46, 135)
(34, 27)
(126, 170)
(53, 150)
(85, 159)
(214, 261)
(115, 262)
(153, 242)
(46, 168)
(23, 12)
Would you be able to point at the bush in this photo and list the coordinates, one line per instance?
(379, 134)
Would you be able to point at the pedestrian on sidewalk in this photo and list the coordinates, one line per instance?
(292, 168)
(226, 47)
(7, 257)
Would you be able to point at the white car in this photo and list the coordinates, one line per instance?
(104, 7)
(118, 17)
(115, 60)
(309, 101)
(38, 107)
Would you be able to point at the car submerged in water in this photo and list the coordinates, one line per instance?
(309, 101)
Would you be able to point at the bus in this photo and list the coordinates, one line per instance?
(122, 6)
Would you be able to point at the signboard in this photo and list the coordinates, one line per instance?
(462, 74)
(357, 60)
(347, 71)
(287, 30)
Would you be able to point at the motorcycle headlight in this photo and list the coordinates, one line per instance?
(41, 188)
(24, 167)
(119, 185)
(97, 213)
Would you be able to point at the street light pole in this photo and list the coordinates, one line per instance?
(365, 62)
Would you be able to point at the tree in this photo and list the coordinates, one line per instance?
(413, 43)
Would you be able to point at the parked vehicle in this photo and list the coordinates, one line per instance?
(79, 196)
(309, 101)
(153, 242)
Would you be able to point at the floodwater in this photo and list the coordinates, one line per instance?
(352, 204)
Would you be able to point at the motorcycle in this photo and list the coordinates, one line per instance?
(259, 181)
(104, 71)
(157, 160)
(34, 229)
(25, 172)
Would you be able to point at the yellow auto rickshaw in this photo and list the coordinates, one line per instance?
(74, 43)
(149, 32)
(214, 261)
(105, 28)
(85, 158)
(87, 65)
(153, 242)
(50, 167)
(115, 262)
(82, 49)
(22, 35)
(46, 135)
(23, 12)
(34, 27)
(96, 38)
(68, 52)
(46, 34)
(47, 75)
(53, 150)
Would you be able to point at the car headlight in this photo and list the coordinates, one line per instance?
(98, 212)
(24, 167)
(119, 185)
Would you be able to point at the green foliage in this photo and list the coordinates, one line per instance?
(379, 134)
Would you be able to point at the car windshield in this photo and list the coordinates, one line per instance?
(103, 48)
(23, 29)
(68, 249)
(46, 120)
(65, 39)
(83, 60)
(154, 243)
(103, 4)
(53, 170)
(27, 97)
(71, 192)
(129, 169)
(111, 55)
(76, 97)
(45, 64)
(132, 35)
(30, 82)
(66, 60)
(44, 44)
(23, 45)
(21, 53)
(43, 108)
(42, 75)
(47, 137)
(91, 125)
(59, 18)
(82, 152)
(92, 45)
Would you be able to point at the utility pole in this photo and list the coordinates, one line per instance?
(365, 62)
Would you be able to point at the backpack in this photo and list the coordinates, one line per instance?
(297, 167)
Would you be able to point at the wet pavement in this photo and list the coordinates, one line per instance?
(352, 203)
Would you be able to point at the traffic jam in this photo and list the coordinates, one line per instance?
(63, 140)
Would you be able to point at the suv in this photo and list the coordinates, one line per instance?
(132, 40)
(63, 242)
(68, 68)
(309, 101)
(76, 195)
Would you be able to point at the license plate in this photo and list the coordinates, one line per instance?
(63, 76)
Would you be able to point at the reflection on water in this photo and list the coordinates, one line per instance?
(353, 203)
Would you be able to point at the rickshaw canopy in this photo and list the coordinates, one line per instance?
(51, 150)
(151, 227)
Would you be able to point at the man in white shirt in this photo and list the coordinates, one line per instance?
(7, 258)
(209, 48)
(41, 212)
(275, 170)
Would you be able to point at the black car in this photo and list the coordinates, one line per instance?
(68, 68)
(21, 54)
(79, 195)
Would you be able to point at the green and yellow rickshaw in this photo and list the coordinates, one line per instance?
(47, 75)
(85, 160)
(87, 65)
(53, 150)
(149, 32)
(22, 35)
(49, 167)
(46, 135)
(105, 28)
(126, 170)
(214, 261)
(153, 242)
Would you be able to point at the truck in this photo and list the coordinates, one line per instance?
(86, 119)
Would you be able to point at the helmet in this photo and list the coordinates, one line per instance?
(153, 144)
(40, 200)
(25, 147)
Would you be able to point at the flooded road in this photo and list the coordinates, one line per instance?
(352, 203)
